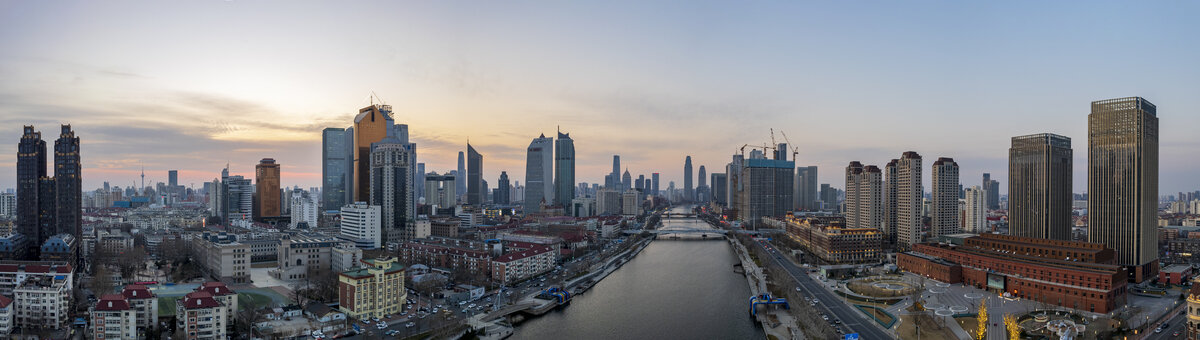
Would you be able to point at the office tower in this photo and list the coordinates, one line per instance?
(654, 185)
(806, 189)
(302, 209)
(500, 196)
(780, 152)
(1123, 182)
(616, 166)
(993, 191)
(688, 194)
(68, 185)
(944, 199)
(266, 177)
(829, 197)
(890, 189)
(539, 164)
(975, 210)
(719, 188)
(8, 206)
(766, 189)
(440, 190)
(475, 188)
(237, 201)
(640, 183)
(908, 200)
(420, 182)
(31, 167)
(461, 175)
(733, 175)
(371, 125)
(172, 178)
(391, 188)
(1039, 186)
(702, 185)
(564, 170)
(626, 181)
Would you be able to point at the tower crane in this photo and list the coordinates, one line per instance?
(795, 149)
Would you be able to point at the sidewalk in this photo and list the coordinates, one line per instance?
(786, 329)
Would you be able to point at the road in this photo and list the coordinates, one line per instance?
(1177, 324)
(833, 305)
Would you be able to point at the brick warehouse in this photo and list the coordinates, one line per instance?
(1035, 269)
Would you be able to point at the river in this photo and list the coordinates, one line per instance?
(674, 289)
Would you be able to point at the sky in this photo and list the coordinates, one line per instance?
(197, 85)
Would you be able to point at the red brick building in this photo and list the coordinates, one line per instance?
(1071, 274)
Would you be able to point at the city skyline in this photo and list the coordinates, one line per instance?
(216, 100)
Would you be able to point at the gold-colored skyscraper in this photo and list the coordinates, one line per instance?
(1123, 182)
(370, 126)
(266, 177)
(1039, 186)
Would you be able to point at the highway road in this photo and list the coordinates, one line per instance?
(1176, 324)
(830, 303)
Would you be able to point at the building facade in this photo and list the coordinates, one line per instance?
(909, 194)
(373, 291)
(831, 240)
(1123, 214)
(336, 165)
(539, 167)
(391, 189)
(1039, 186)
(564, 170)
(361, 225)
(943, 209)
(267, 201)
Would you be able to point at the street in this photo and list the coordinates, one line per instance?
(832, 304)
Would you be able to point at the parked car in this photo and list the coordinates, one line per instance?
(409, 325)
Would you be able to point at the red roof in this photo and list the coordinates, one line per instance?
(5, 301)
(137, 292)
(112, 302)
(216, 288)
(514, 256)
(199, 299)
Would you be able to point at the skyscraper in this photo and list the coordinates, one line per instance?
(853, 172)
(688, 194)
(829, 197)
(701, 186)
(908, 200)
(1039, 186)
(266, 198)
(31, 167)
(371, 125)
(173, 178)
(992, 187)
(766, 190)
(654, 186)
(564, 170)
(475, 187)
(719, 188)
(943, 208)
(806, 189)
(500, 196)
(68, 186)
(391, 188)
(440, 190)
(539, 167)
(461, 175)
(1123, 182)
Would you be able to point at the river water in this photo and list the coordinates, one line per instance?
(674, 289)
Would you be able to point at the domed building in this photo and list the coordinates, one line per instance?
(1193, 312)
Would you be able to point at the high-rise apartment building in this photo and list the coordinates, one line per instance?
(371, 125)
(974, 210)
(688, 194)
(361, 225)
(890, 190)
(853, 173)
(475, 188)
(864, 196)
(909, 196)
(719, 188)
(68, 185)
(1123, 182)
(1039, 186)
(391, 189)
(992, 187)
(440, 190)
(31, 168)
(766, 189)
(539, 167)
(334, 168)
(564, 170)
(943, 209)
(266, 199)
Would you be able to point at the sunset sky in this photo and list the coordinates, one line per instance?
(195, 85)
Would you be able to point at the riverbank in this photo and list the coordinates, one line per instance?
(776, 323)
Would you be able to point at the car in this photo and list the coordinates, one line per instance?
(1165, 325)
(1158, 330)
(797, 289)
(1175, 334)
(409, 325)
(823, 317)
(381, 325)
(375, 319)
(471, 306)
(366, 321)
(460, 303)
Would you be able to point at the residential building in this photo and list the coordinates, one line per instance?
(806, 188)
(345, 256)
(6, 315)
(993, 191)
(113, 318)
(373, 291)
(361, 225)
(891, 203)
(764, 189)
(943, 219)
(909, 194)
(473, 261)
(68, 186)
(1123, 214)
(608, 201)
(520, 265)
(202, 317)
(1039, 186)
(864, 196)
(975, 211)
(8, 205)
(13, 273)
(227, 297)
(222, 257)
(720, 187)
(43, 301)
(303, 210)
(630, 205)
(440, 190)
(391, 189)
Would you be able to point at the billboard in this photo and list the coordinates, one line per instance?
(995, 281)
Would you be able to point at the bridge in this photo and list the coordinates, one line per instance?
(665, 231)
(678, 215)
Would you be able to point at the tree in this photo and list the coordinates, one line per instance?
(1014, 329)
(246, 318)
(981, 330)
(101, 282)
